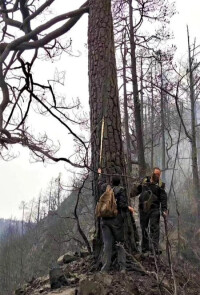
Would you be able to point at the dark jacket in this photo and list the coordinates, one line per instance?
(158, 192)
(121, 198)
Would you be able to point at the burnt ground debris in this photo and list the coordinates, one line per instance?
(83, 279)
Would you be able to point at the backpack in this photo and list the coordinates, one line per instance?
(107, 206)
(146, 199)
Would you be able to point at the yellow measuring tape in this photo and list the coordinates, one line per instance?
(101, 145)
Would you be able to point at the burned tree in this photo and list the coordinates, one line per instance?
(20, 89)
(106, 141)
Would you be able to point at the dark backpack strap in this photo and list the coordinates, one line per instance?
(162, 185)
(118, 190)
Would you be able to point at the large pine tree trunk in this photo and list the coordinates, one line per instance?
(104, 105)
(103, 90)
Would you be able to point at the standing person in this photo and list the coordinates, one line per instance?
(113, 228)
(152, 199)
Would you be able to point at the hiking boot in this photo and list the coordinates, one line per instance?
(158, 252)
(123, 270)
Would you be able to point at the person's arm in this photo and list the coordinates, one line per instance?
(122, 202)
(135, 190)
(137, 187)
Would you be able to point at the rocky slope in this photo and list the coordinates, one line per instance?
(150, 277)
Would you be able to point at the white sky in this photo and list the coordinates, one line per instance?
(188, 15)
(21, 180)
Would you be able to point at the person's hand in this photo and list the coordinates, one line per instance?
(165, 213)
(131, 209)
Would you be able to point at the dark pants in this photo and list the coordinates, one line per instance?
(113, 234)
(149, 222)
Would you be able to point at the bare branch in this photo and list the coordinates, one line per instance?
(22, 44)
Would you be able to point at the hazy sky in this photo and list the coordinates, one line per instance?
(21, 180)
(188, 15)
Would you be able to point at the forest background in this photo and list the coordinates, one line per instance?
(159, 102)
(29, 179)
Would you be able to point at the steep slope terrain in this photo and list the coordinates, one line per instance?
(34, 253)
(148, 278)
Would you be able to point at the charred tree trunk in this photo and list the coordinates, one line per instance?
(106, 138)
(103, 90)
(137, 112)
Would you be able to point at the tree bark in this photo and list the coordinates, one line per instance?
(103, 90)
